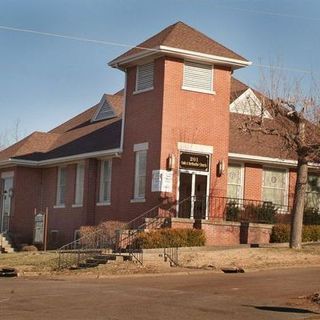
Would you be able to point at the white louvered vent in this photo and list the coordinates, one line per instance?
(197, 76)
(105, 112)
(145, 77)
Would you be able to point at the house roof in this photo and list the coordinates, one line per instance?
(76, 136)
(80, 135)
(183, 37)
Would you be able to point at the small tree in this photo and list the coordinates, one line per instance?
(295, 120)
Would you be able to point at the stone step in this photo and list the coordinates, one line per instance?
(5, 244)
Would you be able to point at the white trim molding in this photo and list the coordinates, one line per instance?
(262, 160)
(180, 53)
(77, 157)
(7, 174)
(141, 146)
(190, 147)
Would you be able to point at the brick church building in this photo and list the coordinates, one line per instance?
(171, 134)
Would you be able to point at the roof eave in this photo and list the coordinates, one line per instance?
(120, 63)
(49, 162)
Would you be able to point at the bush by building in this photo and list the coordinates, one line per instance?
(167, 238)
(281, 233)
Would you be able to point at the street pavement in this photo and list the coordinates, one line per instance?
(249, 296)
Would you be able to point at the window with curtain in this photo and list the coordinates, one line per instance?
(313, 192)
(274, 186)
(235, 181)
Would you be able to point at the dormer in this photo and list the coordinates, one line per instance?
(104, 110)
(249, 104)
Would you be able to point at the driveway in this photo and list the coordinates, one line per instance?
(255, 295)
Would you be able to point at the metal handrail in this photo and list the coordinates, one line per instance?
(98, 241)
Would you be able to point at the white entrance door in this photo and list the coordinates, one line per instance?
(5, 209)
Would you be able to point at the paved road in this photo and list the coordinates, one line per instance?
(257, 296)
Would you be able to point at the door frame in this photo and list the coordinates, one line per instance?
(4, 177)
(193, 180)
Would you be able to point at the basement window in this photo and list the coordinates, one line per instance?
(198, 77)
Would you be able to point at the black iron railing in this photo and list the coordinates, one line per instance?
(233, 209)
(123, 242)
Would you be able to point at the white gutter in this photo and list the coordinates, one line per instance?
(205, 56)
(268, 160)
(31, 163)
(123, 111)
(185, 54)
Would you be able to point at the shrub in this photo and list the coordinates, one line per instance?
(262, 213)
(281, 233)
(311, 216)
(167, 238)
(233, 211)
(29, 248)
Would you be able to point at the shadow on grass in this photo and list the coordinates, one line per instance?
(282, 309)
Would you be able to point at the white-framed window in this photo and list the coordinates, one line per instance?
(61, 186)
(235, 181)
(140, 174)
(198, 77)
(145, 77)
(313, 192)
(105, 182)
(275, 186)
(78, 199)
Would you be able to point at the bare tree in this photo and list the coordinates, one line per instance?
(10, 136)
(295, 121)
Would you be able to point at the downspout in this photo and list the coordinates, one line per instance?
(123, 111)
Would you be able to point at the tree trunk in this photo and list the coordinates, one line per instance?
(298, 205)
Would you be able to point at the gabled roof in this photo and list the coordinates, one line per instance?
(76, 136)
(249, 104)
(182, 37)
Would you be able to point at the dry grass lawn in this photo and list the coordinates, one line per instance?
(252, 258)
(45, 263)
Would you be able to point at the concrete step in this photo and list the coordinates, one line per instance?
(5, 244)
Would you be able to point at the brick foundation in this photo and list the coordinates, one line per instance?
(233, 233)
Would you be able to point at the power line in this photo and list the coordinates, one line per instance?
(63, 36)
(111, 43)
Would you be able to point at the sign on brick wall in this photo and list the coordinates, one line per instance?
(161, 181)
(193, 161)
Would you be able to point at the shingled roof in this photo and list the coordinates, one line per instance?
(76, 136)
(182, 36)
(79, 135)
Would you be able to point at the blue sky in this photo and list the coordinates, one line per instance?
(46, 80)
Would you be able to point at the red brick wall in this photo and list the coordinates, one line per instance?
(253, 182)
(197, 118)
(222, 233)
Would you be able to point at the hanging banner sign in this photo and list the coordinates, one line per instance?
(193, 161)
(161, 181)
(39, 220)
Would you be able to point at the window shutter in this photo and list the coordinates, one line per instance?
(145, 76)
(197, 76)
